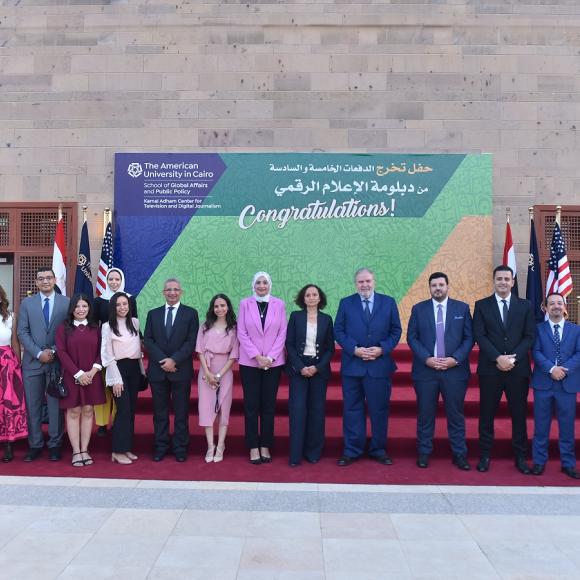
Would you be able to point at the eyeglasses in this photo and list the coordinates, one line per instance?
(172, 290)
(44, 278)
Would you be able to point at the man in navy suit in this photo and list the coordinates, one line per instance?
(367, 328)
(170, 335)
(556, 380)
(441, 338)
(505, 329)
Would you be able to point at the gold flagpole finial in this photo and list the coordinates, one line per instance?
(531, 212)
(106, 219)
(507, 214)
(84, 213)
(559, 215)
(59, 211)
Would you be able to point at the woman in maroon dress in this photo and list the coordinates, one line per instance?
(78, 347)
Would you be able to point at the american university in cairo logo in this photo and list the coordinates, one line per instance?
(134, 169)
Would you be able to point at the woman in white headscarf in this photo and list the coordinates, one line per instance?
(261, 333)
(115, 282)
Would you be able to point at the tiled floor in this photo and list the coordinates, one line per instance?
(79, 528)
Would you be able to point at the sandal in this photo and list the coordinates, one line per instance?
(209, 454)
(77, 462)
(88, 460)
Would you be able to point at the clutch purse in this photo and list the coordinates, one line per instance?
(55, 386)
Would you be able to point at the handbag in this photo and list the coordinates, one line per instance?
(144, 383)
(55, 386)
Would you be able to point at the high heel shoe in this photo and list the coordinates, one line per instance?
(265, 458)
(120, 458)
(77, 462)
(255, 460)
(8, 453)
(219, 453)
(209, 454)
(131, 456)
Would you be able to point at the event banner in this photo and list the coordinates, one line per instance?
(213, 220)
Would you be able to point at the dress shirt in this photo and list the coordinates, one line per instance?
(50, 308)
(174, 312)
(444, 312)
(561, 330)
(500, 304)
(371, 300)
(114, 348)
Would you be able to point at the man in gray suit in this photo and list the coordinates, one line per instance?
(37, 321)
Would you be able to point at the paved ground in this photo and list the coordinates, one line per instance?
(90, 528)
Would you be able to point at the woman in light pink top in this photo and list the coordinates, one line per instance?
(262, 333)
(121, 357)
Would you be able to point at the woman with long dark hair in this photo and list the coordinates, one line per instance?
(78, 347)
(261, 332)
(218, 347)
(121, 356)
(13, 422)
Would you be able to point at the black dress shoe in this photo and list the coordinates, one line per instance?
(180, 458)
(571, 472)
(422, 461)
(522, 466)
(8, 453)
(157, 456)
(54, 454)
(257, 461)
(292, 464)
(265, 459)
(461, 462)
(538, 469)
(312, 460)
(382, 459)
(345, 461)
(33, 454)
(483, 464)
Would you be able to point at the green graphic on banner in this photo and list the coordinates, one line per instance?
(316, 218)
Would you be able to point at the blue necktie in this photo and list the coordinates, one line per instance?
(367, 310)
(557, 343)
(46, 312)
(169, 321)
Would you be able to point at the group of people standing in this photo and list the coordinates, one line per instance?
(98, 348)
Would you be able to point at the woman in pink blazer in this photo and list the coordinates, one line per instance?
(261, 333)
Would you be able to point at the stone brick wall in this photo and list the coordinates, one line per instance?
(83, 79)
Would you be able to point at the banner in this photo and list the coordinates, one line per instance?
(213, 220)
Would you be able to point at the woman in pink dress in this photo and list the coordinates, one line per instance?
(13, 422)
(78, 347)
(217, 345)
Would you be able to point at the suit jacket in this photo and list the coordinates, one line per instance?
(421, 338)
(296, 341)
(544, 353)
(255, 340)
(32, 330)
(352, 330)
(494, 339)
(180, 346)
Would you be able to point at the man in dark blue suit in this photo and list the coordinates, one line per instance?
(367, 328)
(441, 338)
(555, 380)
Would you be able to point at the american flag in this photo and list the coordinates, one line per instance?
(559, 278)
(106, 261)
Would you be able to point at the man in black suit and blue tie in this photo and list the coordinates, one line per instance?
(556, 380)
(368, 328)
(170, 336)
(441, 338)
(505, 329)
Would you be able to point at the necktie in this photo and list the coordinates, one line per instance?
(557, 343)
(169, 321)
(46, 312)
(367, 310)
(440, 332)
(504, 312)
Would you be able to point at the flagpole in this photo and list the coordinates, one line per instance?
(106, 219)
(59, 212)
(507, 214)
(531, 213)
(559, 215)
(84, 213)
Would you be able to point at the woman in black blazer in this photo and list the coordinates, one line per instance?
(310, 346)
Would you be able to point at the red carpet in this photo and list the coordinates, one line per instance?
(236, 467)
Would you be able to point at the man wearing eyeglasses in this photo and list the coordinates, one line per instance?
(37, 322)
(170, 336)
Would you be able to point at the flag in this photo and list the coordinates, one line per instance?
(106, 260)
(534, 282)
(509, 256)
(84, 277)
(59, 256)
(559, 278)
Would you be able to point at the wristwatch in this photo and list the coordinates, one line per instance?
(218, 376)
